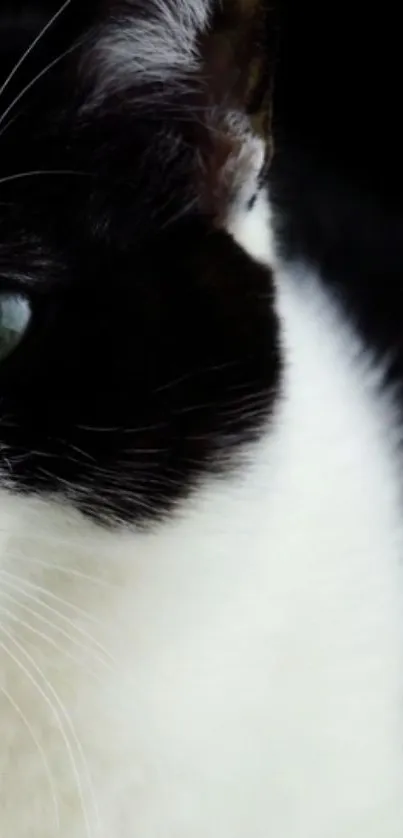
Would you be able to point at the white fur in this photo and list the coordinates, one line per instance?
(253, 231)
(237, 673)
(160, 47)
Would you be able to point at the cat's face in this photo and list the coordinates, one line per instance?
(138, 346)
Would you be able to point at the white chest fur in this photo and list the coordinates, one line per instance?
(238, 673)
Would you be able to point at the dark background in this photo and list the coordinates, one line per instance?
(338, 171)
(339, 89)
(337, 177)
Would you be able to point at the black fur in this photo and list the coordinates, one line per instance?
(152, 353)
(354, 240)
(337, 181)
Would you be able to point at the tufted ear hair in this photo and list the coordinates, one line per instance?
(237, 61)
(202, 69)
(239, 51)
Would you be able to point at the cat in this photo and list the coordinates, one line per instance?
(200, 507)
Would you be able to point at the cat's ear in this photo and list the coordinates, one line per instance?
(236, 53)
(203, 69)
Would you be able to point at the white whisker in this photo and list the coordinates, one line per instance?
(37, 615)
(36, 173)
(33, 81)
(70, 571)
(23, 668)
(32, 46)
(40, 748)
(8, 124)
(20, 586)
(42, 635)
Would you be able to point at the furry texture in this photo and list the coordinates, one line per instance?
(200, 504)
(137, 262)
(237, 671)
(157, 43)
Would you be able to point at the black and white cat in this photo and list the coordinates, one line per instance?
(201, 524)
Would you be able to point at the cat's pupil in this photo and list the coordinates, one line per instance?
(15, 314)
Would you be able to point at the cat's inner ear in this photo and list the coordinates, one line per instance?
(238, 51)
(236, 65)
(203, 70)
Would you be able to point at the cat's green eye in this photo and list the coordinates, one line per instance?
(15, 314)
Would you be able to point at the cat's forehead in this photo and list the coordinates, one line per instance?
(152, 102)
(120, 43)
(155, 41)
(126, 145)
